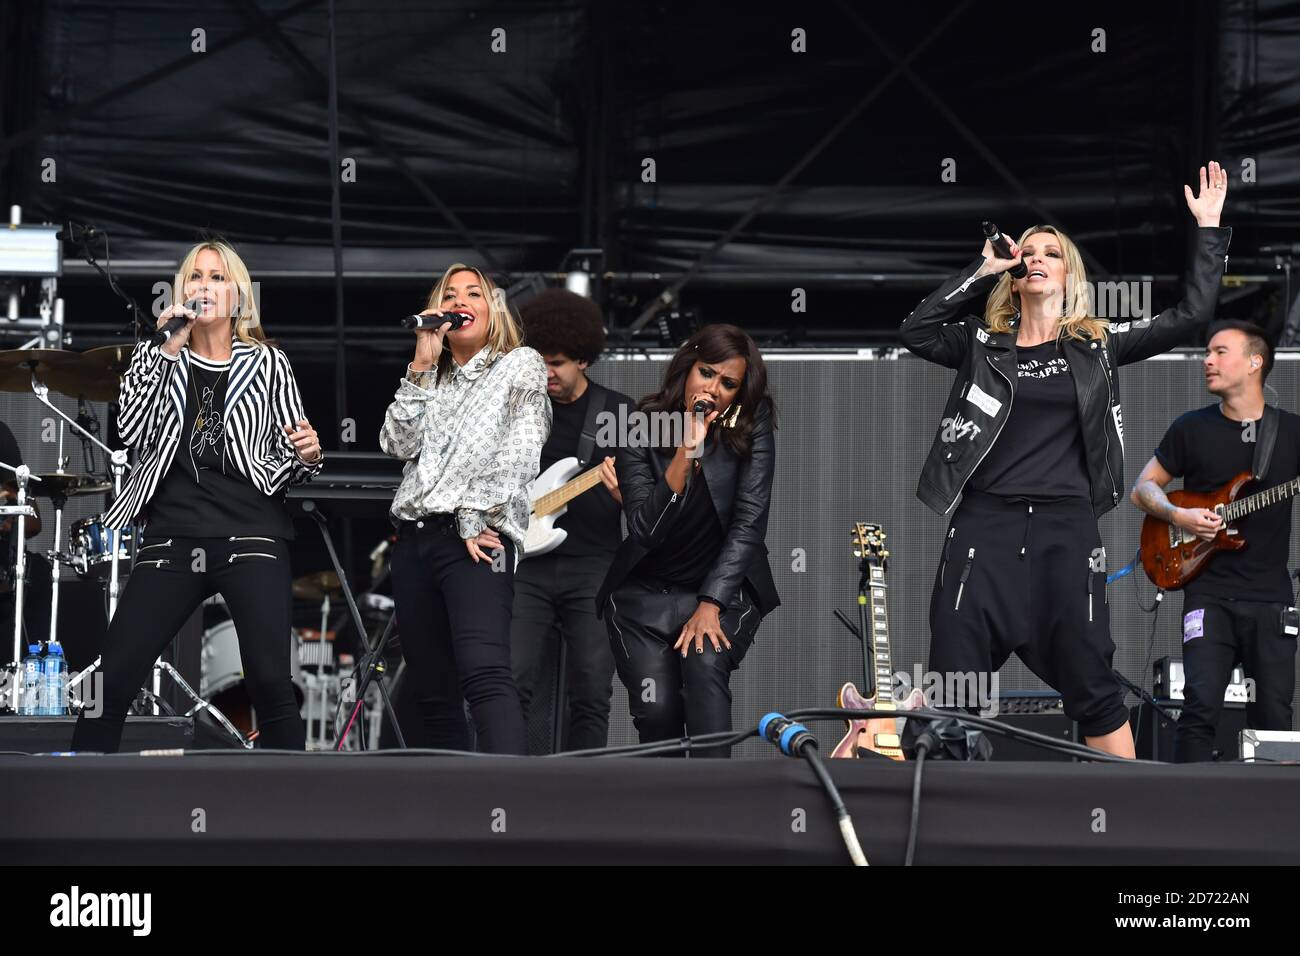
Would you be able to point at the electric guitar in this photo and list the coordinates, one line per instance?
(880, 734)
(1172, 556)
(552, 491)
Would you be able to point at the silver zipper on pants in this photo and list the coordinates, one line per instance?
(965, 573)
(614, 620)
(250, 554)
(947, 547)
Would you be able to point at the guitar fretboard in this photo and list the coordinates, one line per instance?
(884, 669)
(553, 501)
(1269, 496)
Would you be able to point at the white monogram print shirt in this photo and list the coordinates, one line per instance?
(472, 442)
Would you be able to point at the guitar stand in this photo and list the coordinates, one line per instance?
(374, 665)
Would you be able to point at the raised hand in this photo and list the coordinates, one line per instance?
(1208, 205)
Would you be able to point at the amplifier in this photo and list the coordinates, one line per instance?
(1039, 711)
(1168, 680)
(1270, 745)
(1153, 732)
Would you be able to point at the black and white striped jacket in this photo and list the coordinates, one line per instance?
(261, 397)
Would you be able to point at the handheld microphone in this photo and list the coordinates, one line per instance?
(456, 320)
(1003, 248)
(703, 406)
(174, 324)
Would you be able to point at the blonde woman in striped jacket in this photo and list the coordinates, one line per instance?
(216, 420)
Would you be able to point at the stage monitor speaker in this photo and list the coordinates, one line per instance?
(1270, 746)
(43, 735)
(1153, 732)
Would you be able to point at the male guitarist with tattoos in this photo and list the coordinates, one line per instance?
(1233, 608)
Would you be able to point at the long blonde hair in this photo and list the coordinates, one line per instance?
(504, 333)
(246, 318)
(1077, 320)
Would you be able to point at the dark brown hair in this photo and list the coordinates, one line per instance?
(717, 343)
(1256, 341)
(557, 320)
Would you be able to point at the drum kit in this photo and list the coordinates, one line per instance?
(94, 551)
(89, 376)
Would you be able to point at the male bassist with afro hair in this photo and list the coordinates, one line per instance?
(555, 591)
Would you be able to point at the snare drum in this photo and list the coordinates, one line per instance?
(90, 552)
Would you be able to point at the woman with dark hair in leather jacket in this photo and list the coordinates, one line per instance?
(691, 582)
(1032, 434)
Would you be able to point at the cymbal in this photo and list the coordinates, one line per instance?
(60, 369)
(313, 587)
(66, 485)
(104, 368)
(110, 358)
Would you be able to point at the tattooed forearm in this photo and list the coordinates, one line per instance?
(1151, 498)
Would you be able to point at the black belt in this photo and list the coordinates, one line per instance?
(442, 521)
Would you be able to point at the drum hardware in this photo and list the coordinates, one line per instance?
(118, 466)
(20, 509)
(372, 665)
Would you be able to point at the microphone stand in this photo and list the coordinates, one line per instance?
(373, 661)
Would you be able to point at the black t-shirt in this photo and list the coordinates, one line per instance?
(687, 553)
(593, 519)
(203, 495)
(1207, 450)
(1039, 454)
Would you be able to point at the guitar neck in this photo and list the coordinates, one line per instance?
(1261, 499)
(880, 653)
(553, 501)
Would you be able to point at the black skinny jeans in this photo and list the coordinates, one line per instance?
(670, 695)
(555, 600)
(173, 576)
(1217, 633)
(453, 616)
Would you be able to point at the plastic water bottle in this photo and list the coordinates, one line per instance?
(55, 686)
(31, 680)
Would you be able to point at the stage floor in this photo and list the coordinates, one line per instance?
(388, 807)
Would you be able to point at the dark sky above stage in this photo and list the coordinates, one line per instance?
(542, 146)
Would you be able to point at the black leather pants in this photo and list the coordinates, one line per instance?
(670, 695)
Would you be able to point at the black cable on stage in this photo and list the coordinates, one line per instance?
(925, 742)
(795, 740)
(1154, 611)
(1028, 736)
(687, 744)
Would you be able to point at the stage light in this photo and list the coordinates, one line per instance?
(30, 251)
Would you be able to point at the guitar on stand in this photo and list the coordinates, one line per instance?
(882, 735)
(1172, 556)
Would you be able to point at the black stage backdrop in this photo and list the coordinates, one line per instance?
(533, 124)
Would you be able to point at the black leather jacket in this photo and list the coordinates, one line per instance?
(943, 330)
(742, 493)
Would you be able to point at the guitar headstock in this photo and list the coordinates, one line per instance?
(869, 543)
